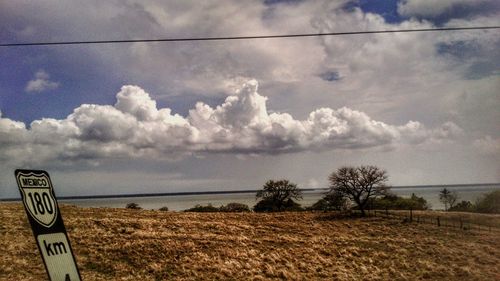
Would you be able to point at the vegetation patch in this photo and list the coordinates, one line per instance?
(256, 246)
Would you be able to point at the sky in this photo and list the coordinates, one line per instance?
(230, 115)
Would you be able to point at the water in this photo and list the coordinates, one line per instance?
(431, 193)
(183, 202)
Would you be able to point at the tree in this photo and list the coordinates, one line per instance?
(359, 184)
(448, 198)
(419, 203)
(278, 196)
(489, 203)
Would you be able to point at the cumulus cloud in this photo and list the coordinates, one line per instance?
(393, 76)
(242, 124)
(41, 82)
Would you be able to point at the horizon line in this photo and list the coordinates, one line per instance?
(184, 193)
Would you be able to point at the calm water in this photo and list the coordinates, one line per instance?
(182, 202)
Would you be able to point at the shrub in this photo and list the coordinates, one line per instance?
(268, 205)
(164, 209)
(235, 207)
(133, 206)
(464, 206)
(331, 202)
(489, 203)
(394, 202)
(203, 209)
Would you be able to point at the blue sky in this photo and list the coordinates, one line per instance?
(229, 115)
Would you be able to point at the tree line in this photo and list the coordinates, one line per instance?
(360, 188)
(490, 203)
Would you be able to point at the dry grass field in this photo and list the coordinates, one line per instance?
(484, 220)
(121, 244)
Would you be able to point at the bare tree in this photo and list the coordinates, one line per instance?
(448, 198)
(359, 184)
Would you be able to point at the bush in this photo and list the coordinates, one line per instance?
(330, 202)
(164, 209)
(489, 203)
(133, 206)
(268, 205)
(394, 202)
(235, 207)
(464, 206)
(203, 209)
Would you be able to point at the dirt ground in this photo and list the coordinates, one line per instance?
(121, 244)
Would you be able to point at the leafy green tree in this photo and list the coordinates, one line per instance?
(490, 203)
(448, 198)
(278, 196)
(419, 202)
(359, 184)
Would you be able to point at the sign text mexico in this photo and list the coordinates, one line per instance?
(46, 222)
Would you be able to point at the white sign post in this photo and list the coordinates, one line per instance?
(46, 222)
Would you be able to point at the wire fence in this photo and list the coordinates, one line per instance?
(411, 216)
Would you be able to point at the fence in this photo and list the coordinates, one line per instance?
(430, 218)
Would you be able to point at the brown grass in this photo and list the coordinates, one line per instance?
(120, 244)
(485, 220)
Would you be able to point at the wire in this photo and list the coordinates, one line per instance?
(246, 37)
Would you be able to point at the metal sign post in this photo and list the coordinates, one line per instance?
(46, 222)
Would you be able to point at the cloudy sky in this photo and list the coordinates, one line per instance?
(226, 115)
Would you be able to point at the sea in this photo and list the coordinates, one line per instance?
(186, 201)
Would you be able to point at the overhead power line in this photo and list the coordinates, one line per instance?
(246, 37)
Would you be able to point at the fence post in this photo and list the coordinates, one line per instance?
(461, 223)
(411, 215)
(386, 212)
(439, 223)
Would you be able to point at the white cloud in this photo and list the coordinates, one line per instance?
(135, 127)
(488, 145)
(384, 81)
(41, 83)
(391, 77)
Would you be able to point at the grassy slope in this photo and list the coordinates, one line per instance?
(149, 245)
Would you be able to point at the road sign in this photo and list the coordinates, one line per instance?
(46, 222)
